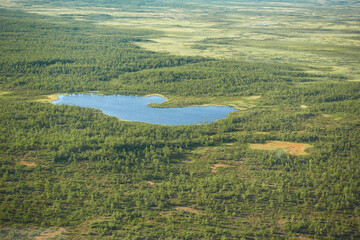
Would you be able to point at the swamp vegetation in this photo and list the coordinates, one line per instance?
(68, 172)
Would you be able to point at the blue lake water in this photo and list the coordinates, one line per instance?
(133, 108)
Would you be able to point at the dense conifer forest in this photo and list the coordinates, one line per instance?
(74, 173)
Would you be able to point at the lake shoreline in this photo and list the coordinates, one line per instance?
(137, 109)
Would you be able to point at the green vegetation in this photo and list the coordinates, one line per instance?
(75, 173)
(321, 35)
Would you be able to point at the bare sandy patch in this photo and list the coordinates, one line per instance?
(218, 165)
(49, 98)
(150, 183)
(302, 238)
(27, 161)
(253, 97)
(28, 164)
(157, 95)
(296, 149)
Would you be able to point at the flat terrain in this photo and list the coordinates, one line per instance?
(321, 35)
(296, 149)
(285, 166)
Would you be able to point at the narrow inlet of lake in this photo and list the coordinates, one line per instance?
(134, 108)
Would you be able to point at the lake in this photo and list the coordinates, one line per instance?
(134, 108)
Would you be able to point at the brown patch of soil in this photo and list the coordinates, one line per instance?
(150, 183)
(25, 161)
(215, 166)
(281, 222)
(296, 149)
(49, 234)
(190, 210)
(28, 164)
(302, 238)
(84, 227)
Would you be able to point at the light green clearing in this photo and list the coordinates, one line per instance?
(276, 32)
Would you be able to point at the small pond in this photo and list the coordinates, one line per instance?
(133, 108)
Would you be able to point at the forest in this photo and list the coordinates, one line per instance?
(68, 172)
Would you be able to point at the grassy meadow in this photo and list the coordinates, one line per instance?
(323, 36)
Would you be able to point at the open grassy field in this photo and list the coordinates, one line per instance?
(322, 36)
(296, 149)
